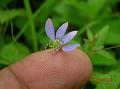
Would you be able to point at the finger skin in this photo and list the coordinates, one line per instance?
(48, 70)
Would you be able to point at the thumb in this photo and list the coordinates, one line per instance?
(45, 70)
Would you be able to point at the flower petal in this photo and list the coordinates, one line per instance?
(50, 29)
(69, 37)
(70, 47)
(61, 30)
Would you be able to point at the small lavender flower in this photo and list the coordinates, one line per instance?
(58, 40)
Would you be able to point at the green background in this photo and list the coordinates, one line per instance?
(97, 22)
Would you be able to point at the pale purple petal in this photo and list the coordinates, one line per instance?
(69, 37)
(50, 29)
(70, 47)
(61, 30)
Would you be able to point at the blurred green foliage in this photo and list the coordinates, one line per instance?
(97, 21)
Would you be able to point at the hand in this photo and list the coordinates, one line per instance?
(45, 70)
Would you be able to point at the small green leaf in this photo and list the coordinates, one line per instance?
(66, 9)
(114, 32)
(103, 57)
(101, 36)
(11, 53)
(111, 84)
(85, 46)
(90, 35)
(97, 4)
(23, 50)
(8, 15)
(98, 77)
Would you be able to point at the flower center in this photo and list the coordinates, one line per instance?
(57, 43)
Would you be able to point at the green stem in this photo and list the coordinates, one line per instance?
(5, 28)
(21, 31)
(26, 25)
(31, 24)
(12, 31)
(1, 28)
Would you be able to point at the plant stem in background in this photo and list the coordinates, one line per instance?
(12, 32)
(1, 28)
(81, 31)
(5, 28)
(26, 25)
(31, 24)
(43, 10)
